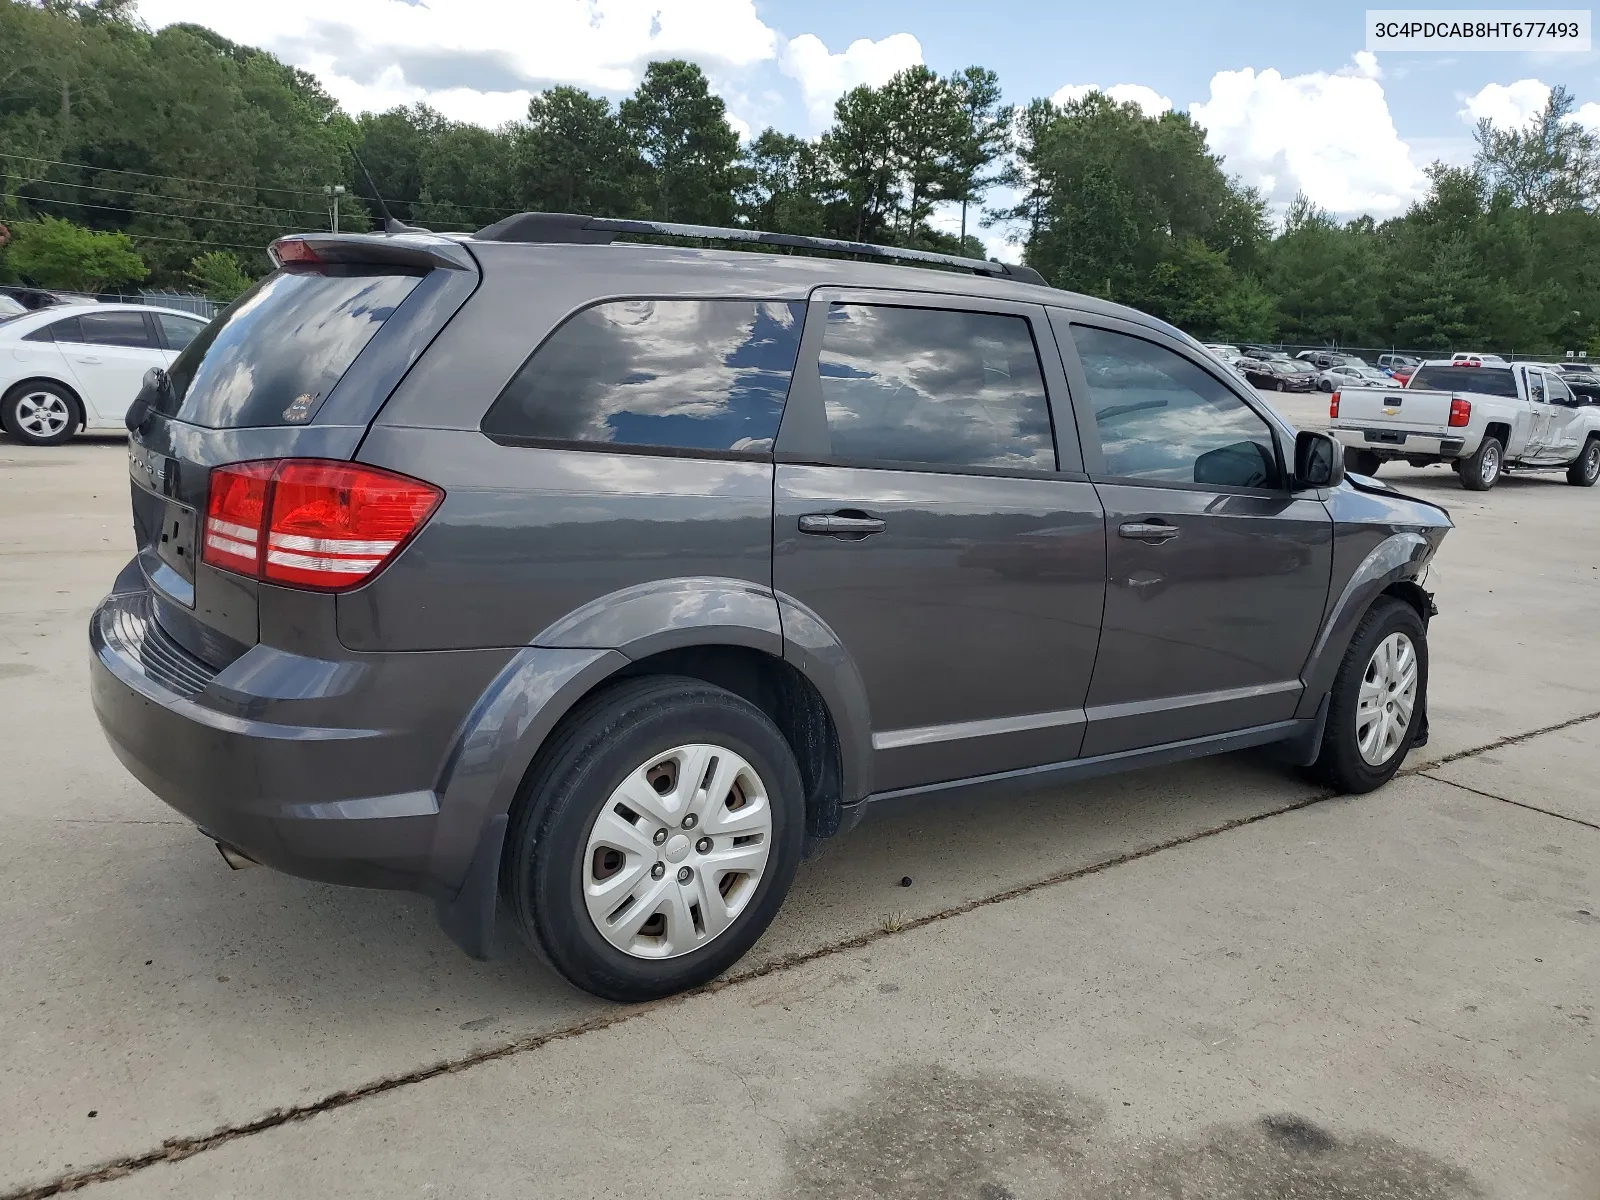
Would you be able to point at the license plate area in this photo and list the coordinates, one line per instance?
(175, 544)
(1386, 438)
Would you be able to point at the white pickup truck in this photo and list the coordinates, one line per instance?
(1481, 418)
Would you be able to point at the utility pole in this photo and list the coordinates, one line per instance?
(333, 191)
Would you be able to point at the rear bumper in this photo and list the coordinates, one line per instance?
(1400, 442)
(323, 769)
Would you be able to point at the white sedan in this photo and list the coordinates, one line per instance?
(1350, 375)
(79, 366)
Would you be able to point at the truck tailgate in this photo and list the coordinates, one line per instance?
(1400, 407)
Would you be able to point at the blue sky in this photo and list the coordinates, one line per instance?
(1283, 91)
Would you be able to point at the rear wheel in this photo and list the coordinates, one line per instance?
(1362, 462)
(1481, 470)
(656, 840)
(1377, 699)
(39, 413)
(1585, 469)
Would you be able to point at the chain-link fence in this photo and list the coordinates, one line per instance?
(200, 306)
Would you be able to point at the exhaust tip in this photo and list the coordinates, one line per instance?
(237, 859)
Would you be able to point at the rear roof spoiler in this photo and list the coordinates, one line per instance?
(417, 251)
(574, 227)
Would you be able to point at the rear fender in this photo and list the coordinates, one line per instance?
(499, 739)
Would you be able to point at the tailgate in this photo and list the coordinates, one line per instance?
(1401, 408)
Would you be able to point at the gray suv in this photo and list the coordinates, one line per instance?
(606, 580)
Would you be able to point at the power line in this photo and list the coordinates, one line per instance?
(251, 187)
(151, 237)
(305, 212)
(146, 212)
(247, 187)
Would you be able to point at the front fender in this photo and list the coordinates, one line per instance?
(1401, 557)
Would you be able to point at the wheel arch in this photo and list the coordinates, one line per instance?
(1392, 568)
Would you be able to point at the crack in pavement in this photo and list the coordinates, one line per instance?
(179, 1148)
(1508, 800)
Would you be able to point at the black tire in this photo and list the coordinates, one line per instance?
(1340, 763)
(1481, 470)
(1362, 462)
(1585, 469)
(611, 735)
(26, 427)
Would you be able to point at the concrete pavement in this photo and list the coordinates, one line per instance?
(174, 1000)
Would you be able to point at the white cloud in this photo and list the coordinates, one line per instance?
(1151, 102)
(824, 77)
(1507, 105)
(1365, 65)
(479, 59)
(1328, 135)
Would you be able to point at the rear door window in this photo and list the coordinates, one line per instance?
(117, 329)
(692, 376)
(273, 355)
(934, 388)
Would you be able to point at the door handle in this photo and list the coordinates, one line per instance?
(89, 359)
(1149, 531)
(835, 524)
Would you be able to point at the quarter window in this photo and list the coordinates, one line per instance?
(692, 375)
(934, 387)
(1161, 418)
(65, 330)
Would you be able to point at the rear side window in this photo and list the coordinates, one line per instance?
(116, 329)
(57, 331)
(687, 375)
(1488, 381)
(273, 355)
(935, 388)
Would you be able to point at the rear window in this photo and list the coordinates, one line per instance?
(273, 355)
(695, 376)
(1487, 381)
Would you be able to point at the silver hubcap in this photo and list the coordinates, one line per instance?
(1591, 465)
(677, 851)
(1491, 463)
(1388, 694)
(42, 414)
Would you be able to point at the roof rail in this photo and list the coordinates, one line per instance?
(573, 227)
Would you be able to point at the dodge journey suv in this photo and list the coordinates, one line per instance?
(604, 580)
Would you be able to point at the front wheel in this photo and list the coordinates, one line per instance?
(1586, 468)
(39, 413)
(656, 840)
(1378, 699)
(1481, 471)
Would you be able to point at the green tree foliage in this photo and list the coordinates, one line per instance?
(217, 274)
(51, 252)
(682, 132)
(201, 151)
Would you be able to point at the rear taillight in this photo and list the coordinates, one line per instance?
(1460, 412)
(307, 523)
(1333, 405)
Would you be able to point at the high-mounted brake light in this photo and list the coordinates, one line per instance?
(1333, 405)
(294, 250)
(1460, 412)
(310, 523)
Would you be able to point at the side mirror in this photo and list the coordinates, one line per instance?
(1318, 460)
